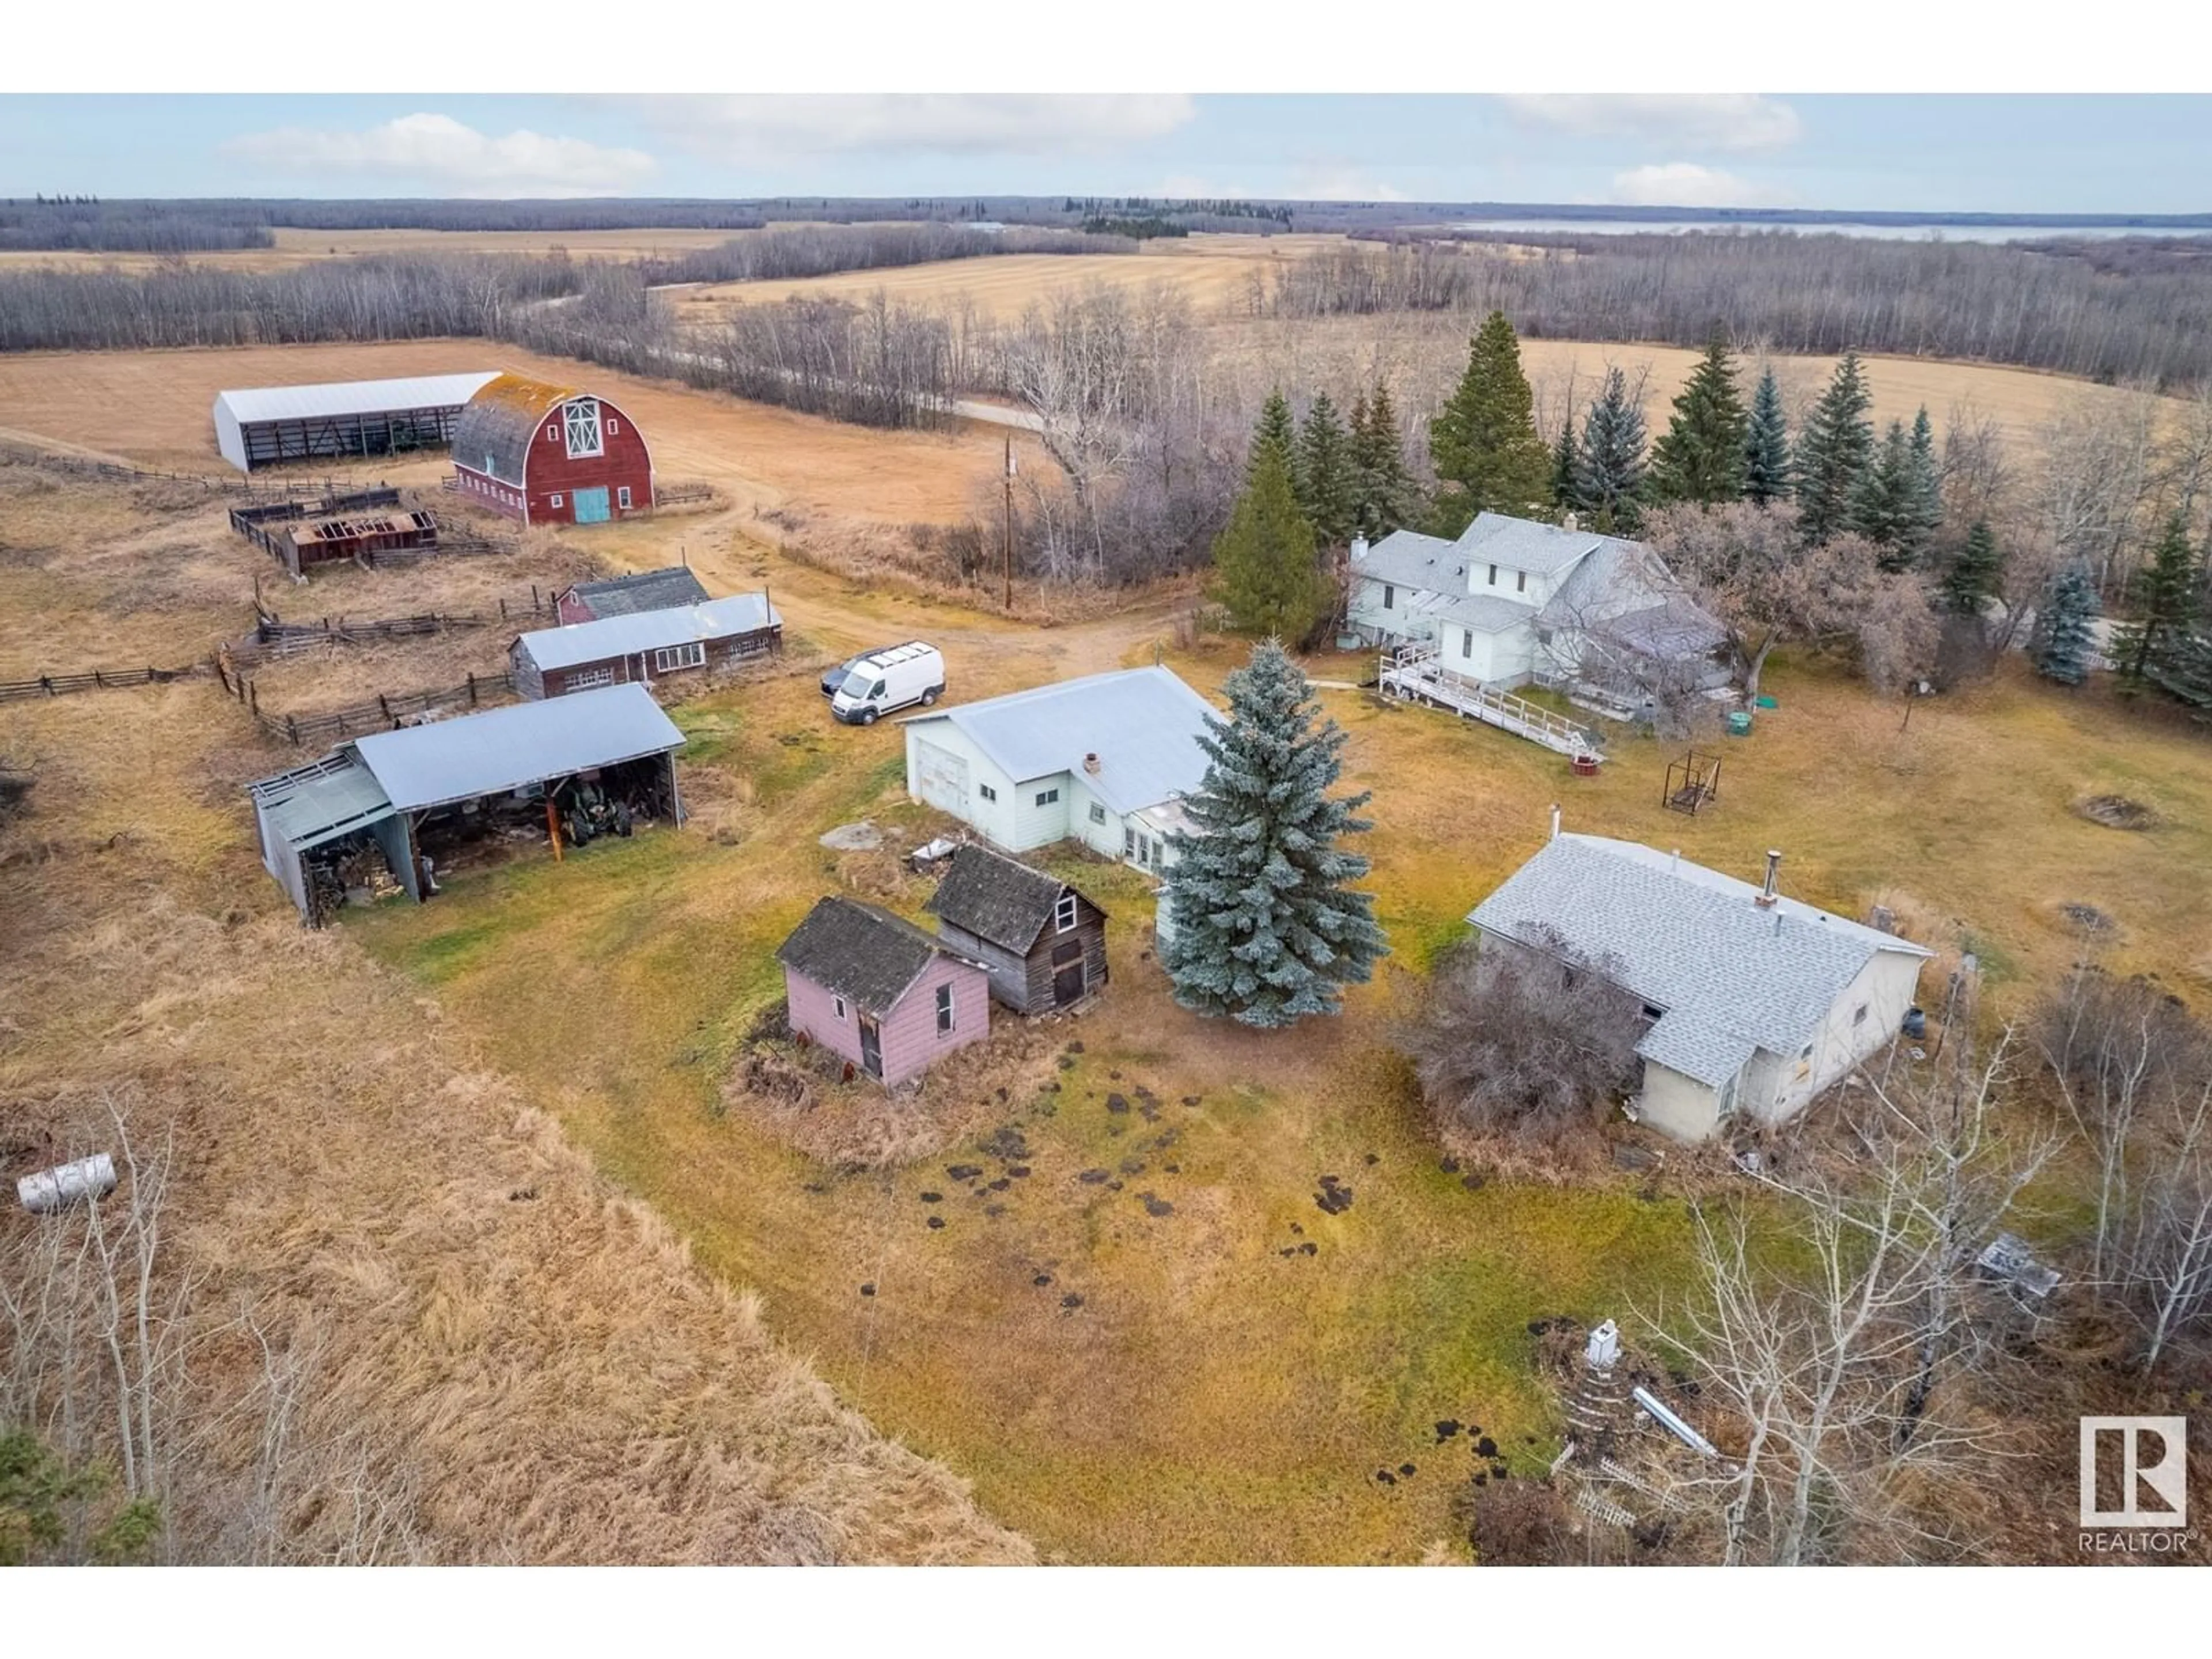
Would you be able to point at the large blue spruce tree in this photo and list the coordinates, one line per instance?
(1263, 924)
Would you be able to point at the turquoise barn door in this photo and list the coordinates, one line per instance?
(592, 505)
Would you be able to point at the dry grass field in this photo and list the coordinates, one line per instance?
(490, 1354)
(1215, 272)
(151, 409)
(297, 246)
(1150, 1364)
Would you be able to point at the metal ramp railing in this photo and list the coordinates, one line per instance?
(1413, 673)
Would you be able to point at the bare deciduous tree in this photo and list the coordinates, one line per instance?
(1848, 1361)
(1537, 1042)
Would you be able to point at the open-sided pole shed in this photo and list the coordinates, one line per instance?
(390, 784)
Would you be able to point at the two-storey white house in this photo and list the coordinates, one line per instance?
(1756, 1003)
(1513, 601)
(1105, 760)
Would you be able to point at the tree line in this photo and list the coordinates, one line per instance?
(2049, 307)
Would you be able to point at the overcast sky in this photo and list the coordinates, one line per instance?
(1982, 153)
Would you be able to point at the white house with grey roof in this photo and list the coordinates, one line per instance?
(1106, 760)
(1512, 601)
(1757, 1002)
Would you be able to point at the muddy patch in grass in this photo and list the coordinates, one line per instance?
(2117, 812)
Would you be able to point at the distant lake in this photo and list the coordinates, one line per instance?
(1977, 231)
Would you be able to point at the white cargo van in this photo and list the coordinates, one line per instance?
(889, 680)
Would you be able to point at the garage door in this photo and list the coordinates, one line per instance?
(941, 777)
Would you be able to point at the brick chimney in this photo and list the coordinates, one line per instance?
(1766, 893)
(1091, 764)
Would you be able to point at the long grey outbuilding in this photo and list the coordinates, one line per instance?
(259, 426)
(384, 787)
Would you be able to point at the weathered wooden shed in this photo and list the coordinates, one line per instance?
(874, 988)
(646, 647)
(1042, 941)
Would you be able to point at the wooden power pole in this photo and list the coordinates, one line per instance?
(1008, 552)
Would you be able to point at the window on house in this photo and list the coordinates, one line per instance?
(838, 1004)
(1521, 581)
(1390, 596)
(679, 656)
(987, 791)
(1098, 813)
(583, 679)
(1063, 914)
(556, 498)
(1129, 842)
(621, 496)
(1494, 575)
(1467, 641)
(943, 1009)
(1047, 797)
(582, 418)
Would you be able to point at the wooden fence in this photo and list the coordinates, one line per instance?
(383, 713)
(85, 466)
(99, 679)
(671, 495)
(274, 638)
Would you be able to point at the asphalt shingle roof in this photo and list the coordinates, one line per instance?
(624, 636)
(997, 898)
(1729, 974)
(1541, 550)
(860, 952)
(1144, 725)
(647, 590)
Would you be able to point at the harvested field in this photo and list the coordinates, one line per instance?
(296, 245)
(1215, 272)
(151, 408)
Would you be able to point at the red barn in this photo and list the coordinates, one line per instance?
(551, 454)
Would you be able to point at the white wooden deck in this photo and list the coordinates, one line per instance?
(1414, 673)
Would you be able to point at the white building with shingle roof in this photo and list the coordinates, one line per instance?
(1512, 601)
(1757, 1002)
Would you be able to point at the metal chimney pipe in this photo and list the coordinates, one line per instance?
(1555, 820)
(1766, 893)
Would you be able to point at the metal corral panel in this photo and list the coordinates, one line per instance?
(507, 749)
(576, 643)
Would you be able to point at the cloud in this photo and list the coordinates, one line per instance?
(1334, 182)
(438, 150)
(752, 127)
(1685, 183)
(1695, 121)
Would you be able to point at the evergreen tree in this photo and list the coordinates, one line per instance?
(1328, 489)
(1926, 493)
(1609, 462)
(1264, 567)
(1276, 432)
(1882, 508)
(1971, 581)
(1703, 455)
(2146, 648)
(1484, 441)
(1389, 497)
(1767, 464)
(1265, 928)
(2063, 640)
(1563, 456)
(1833, 452)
